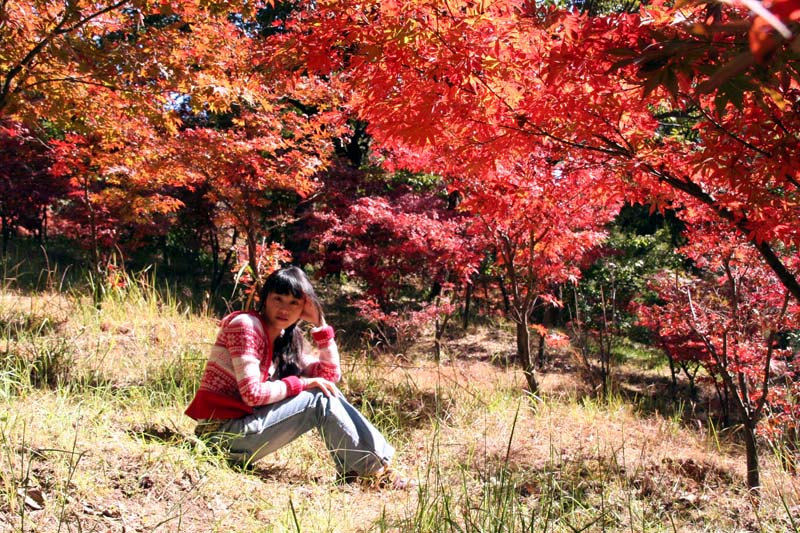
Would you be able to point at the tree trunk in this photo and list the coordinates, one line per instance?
(467, 301)
(213, 243)
(297, 241)
(504, 292)
(44, 226)
(95, 247)
(5, 235)
(252, 254)
(524, 354)
(604, 345)
(673, 372)
(547, 321)
(724, 403)
(252, 246)
(691, 376)
(540, 352)
(751, 447)
(436, 291)
(439, 327)
(166, 257)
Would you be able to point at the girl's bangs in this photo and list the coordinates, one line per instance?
(285, 283)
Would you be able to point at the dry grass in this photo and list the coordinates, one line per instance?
(107, 448)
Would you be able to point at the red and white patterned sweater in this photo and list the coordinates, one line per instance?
(238, 372)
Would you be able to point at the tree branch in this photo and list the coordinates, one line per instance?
(741, 222)
(58, 30)
(762, 401)
(730, 134)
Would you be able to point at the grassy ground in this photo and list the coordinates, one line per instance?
(92, 438)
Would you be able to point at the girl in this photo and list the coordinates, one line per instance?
(261, 388)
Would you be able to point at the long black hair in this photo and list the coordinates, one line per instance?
(288, 347)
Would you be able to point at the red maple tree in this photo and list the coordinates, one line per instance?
(730, 318)
(477, 85)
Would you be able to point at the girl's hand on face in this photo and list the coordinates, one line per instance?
(311, 313)
(328, 388)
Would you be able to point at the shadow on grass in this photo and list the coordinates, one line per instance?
(653, 393)
(649, 392)
(160, 434)
(17, 324)
(407, 408)
(267, 472)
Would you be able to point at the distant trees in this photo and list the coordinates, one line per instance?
(540, 227)
(240, 168)
(140, 105)
(404, 240)
(27, 187)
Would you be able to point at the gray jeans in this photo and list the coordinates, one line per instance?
(355, 445)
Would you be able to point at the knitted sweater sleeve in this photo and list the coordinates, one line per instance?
(326, 364)
(251, 357)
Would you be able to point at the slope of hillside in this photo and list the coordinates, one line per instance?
(92, 438)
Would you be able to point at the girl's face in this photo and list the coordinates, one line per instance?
(283, 310)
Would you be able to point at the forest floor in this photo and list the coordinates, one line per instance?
(93, 438)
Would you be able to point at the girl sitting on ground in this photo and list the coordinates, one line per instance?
(261, 388)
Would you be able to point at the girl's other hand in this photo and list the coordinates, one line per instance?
(311, 313)
(328, 388)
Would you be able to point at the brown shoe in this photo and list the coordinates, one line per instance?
(385, 478)
(390, 478)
